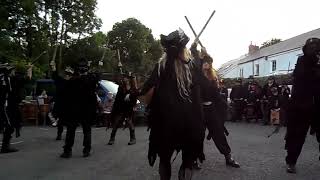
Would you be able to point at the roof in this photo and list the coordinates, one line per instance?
(283, 46)
(228, 66)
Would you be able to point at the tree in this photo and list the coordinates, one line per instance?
(270, 42)
(93, 49)
(29, 28)
(137, 46)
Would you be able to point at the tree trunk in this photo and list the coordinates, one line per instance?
(54, 54)
(60, 50)
(29, 38)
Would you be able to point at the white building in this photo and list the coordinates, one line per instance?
(277, 59)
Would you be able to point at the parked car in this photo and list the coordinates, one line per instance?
(107, 92)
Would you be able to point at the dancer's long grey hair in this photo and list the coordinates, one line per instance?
(183, 74)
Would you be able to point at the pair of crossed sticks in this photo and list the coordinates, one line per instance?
(204, 27)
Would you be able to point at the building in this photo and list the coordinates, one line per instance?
(277, 59)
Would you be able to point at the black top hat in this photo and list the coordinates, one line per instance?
(6, 68)
(176, 39)
(82, 66)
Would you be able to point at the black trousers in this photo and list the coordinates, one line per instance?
(237, 110)
(118, 119)
(8, 128)
(295, 139)
(71, 130)
(215, 125)
(7, 135)
(299, 122)
(265, 112)
(60, 127)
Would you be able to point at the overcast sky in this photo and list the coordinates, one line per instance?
(235, 24)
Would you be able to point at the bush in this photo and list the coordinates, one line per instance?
(280, 79)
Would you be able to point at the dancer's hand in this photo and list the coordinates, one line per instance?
(194, 45)
(53, 66)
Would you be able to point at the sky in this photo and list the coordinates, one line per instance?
(234, 26)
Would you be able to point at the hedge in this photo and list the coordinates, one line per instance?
(280, 79)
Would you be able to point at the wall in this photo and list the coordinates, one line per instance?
(284, 61)
(233, 73)
(265, 65)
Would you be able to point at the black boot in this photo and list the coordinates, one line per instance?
(59, 133)
(181, 173)
(86, 152)
(196, 165)
(291, 168)
(6, 142)
(59, 137)
(185, 173)
(66, 154)
(111, 141)
(112, 137)
(8, 149)
(132, 138)
(231, 162)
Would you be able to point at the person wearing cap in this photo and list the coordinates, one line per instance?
(83, 108)
(223, 90)
(123, 105)
(284, 102)
(266, 95)
(175, 117)
(253, 96)
(62, 98)
(271, 82)
(215, 108)
(304, 106)
(237, 96)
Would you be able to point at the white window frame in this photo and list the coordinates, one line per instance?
(275, 68)
(241, 72)
(256, 69)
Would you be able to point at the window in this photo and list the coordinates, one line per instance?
(241, 72)
(257, 70)
(274, 65)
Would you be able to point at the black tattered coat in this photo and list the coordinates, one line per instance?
(175, 124)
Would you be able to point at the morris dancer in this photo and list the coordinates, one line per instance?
(214, 106)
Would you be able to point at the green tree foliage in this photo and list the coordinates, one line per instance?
(93, 49)
(138, 48)
(41, 29)
(270, 42)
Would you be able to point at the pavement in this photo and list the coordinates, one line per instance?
(261, 158)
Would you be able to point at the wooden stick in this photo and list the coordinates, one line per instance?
(194, 33)
(204, 27)
(38, 57)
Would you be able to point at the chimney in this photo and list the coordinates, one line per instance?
(253, 48)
